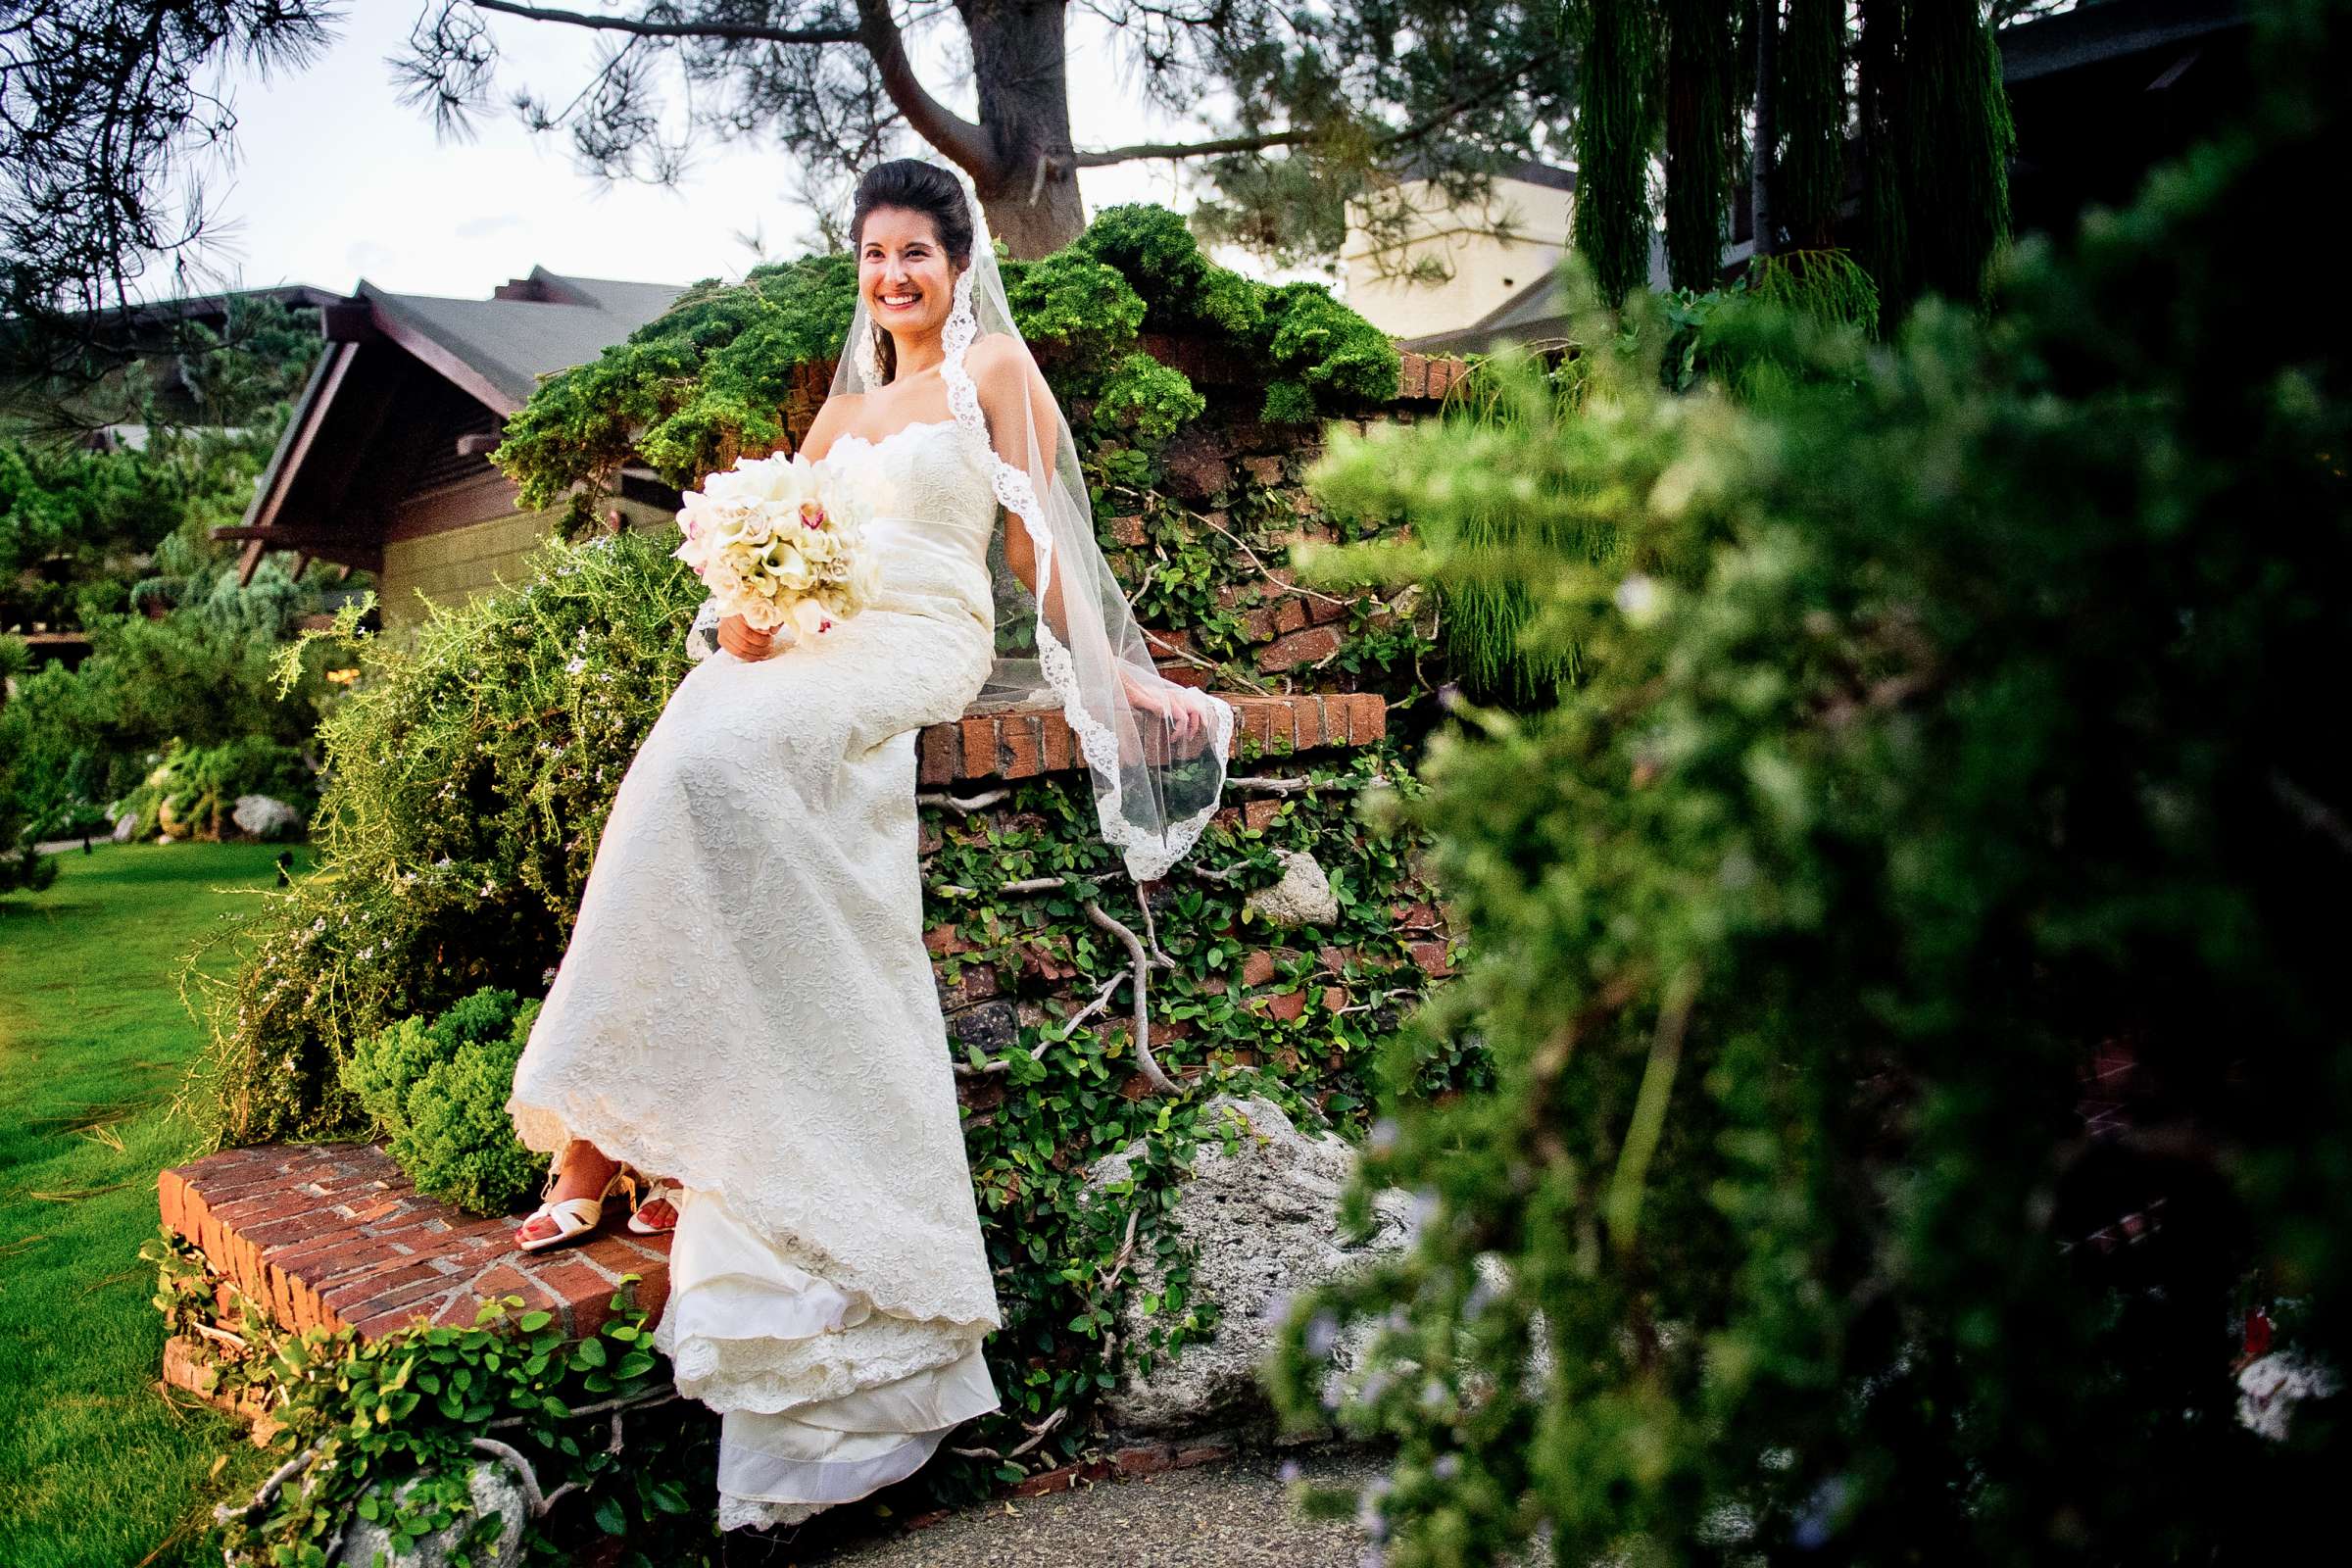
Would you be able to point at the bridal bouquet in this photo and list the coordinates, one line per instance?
(780, 540)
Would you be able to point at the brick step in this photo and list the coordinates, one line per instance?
(334, 1234)
(1024, 742)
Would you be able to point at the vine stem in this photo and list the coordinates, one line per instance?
(1291, 784)
(224, 1513)
(647, 1397)
(1143, 1058)
(1263, 569)
(1037, 1434)
(967, 805)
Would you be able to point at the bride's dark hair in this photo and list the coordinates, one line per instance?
(915, 186)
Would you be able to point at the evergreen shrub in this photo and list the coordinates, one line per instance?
(193, 789)
(1908, 960)
(437, 1092)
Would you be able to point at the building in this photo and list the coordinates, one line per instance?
(2099, 95)
(384, 465)
(1466, 245)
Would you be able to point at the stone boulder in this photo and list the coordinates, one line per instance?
(1264, 1223)
(126, 827)
(258, 816)
(495, 1490)
(1302, 897)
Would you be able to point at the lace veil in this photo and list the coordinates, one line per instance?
(1072, 645)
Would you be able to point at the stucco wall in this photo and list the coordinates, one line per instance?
(1486, 272)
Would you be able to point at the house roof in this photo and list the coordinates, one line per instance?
(2090, 35)
(498, 349)
(1529, 171)
(414, 367)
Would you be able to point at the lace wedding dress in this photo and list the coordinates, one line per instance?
(746, 1006)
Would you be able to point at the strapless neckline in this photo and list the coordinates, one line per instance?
(904, 430)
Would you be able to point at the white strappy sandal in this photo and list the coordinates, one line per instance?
(572, 1217)
(660, 1192)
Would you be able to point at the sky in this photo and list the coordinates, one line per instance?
(334, 180)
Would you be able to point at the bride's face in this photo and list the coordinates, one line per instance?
(903, 272)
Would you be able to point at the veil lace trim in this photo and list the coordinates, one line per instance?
(1148, 856)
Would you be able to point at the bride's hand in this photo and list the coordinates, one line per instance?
(1186, 715)
(744, 640)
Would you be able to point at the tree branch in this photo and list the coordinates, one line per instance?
(1262, 140)
(737, 31)
(964, 142)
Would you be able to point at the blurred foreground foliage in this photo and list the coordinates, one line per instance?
(1906, 959)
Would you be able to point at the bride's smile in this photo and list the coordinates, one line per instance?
(906, 278)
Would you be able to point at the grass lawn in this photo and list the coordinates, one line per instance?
(96, 1468)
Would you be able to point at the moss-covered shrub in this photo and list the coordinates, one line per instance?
(729, 366)
(437, 1091)
(193, 789)
(467, 777)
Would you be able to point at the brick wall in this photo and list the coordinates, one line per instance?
(333, 1234)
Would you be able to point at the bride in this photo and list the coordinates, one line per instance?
(746, 1003)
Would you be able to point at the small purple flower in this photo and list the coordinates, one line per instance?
(1289, 1472)
(1447, 1467)
(1322, 1334)
(1821, 1518)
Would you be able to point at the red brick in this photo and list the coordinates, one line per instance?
(942, 940)
(1412, 375)
(1127, 530)
(1023, 748)
(1289, 613)
(170, 1194)
(979, 747)
(1260, 813)
(1192, 675)
(1257, 718)
(1258, 624)
(1201, 1453)
(1143, 1459)
(361, 1289)
(1367, 718)
(1306, 715)
(1258, 966)
(942, 753)
(1300, 648)
(1045, 1481)
(1429, 957)
(1059, 745)
(1325, 608)
(1285, 1005)
(1334, 998)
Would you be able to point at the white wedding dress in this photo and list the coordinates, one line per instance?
(747, 1006)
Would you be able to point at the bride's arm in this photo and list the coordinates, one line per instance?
(831, 416)
(1019, 408)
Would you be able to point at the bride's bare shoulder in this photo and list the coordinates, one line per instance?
(836, 415)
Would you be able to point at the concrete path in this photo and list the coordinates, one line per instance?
(1232, 1515)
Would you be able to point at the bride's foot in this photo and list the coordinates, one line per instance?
(574, 1198)
(658, 1211)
